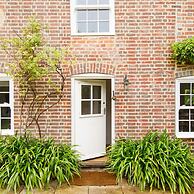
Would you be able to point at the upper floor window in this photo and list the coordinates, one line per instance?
(6, 105)
(92, 17)
(185, 107)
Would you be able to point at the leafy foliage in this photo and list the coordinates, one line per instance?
(38, 69)
(155, 161)
(34, 163)
(183, 52)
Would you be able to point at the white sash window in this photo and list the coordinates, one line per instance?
(92, 17)
(185, 107)
(6, 105)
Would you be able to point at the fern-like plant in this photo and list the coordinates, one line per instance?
(156, 161)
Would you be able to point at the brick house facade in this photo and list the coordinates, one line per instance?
(139, 48)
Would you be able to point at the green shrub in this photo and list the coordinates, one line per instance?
(34, 163)
(156, 161)
(183, 51)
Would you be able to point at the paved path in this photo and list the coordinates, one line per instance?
(122, 188)
(119, 189)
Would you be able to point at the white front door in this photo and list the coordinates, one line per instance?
(90, 118)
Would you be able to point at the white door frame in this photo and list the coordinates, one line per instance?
(91, 76)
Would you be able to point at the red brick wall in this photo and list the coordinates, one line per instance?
(140, 48)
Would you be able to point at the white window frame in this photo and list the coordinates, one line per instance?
(189, 79)
(91, 99)
(111, 8)
(4, 77)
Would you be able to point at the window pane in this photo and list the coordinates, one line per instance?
(96, 92)
(184, 114)
(5, 112)
(104, 14)
(4, 98)
(81, 15)
(185, 88)
(192, 100)
(5, 124)
(96, 107)
(192, 114)
(92, 2)
(104, 27)
(86, 92)
(192, 126)
(85, 107)
(92, 27)
(184, 126)
(81, 27)
(185, 100)
(192, 88)
(4, 86)
(92, 15)
(103, 1)
(81, 2)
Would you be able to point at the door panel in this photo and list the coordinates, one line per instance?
(90, 116)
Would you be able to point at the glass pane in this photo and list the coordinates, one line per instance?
(86, 92)
(104, 27)
(184, 114)
(103, 1)
(184, 126)
(4, 98)
(4, 86)
(5, 112)
(81, 2)
(96, 92)
(81, 27)
(192, 88)
(92, 2)
(92, 27)
(85, 107)
(96, 107)
(104, 14)
(81, 15)
(92, 15)
(185, 88)
(192, 100)
(192, 114)
(192, 126)
(5, 124)
(185, 100)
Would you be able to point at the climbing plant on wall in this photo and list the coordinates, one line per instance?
(183, 51)
(38, 69)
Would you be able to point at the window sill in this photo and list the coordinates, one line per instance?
(185, 135)
(91, 116)
(7, 132)
(93, 34)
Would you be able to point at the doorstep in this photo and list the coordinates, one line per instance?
(93, 173)
(99, 162)
(94, 177)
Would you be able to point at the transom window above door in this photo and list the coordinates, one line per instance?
(91, 100)
(92, 17)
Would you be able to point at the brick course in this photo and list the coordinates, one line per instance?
(140, 48)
